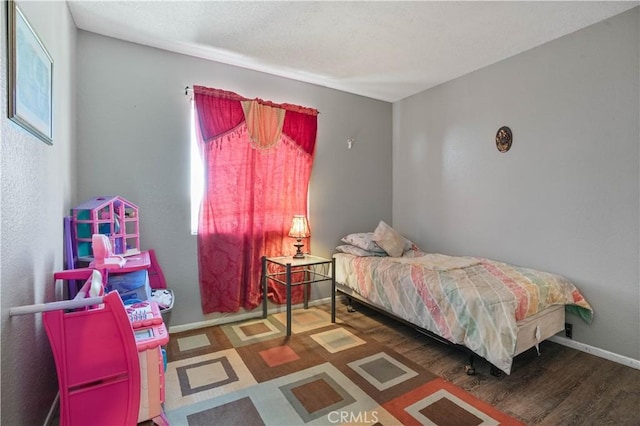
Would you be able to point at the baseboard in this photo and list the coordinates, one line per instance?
(583, 347)
(257, 313)
(53, 411)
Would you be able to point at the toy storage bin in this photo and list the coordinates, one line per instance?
(131, 285)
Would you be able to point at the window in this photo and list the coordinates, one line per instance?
(197, 175)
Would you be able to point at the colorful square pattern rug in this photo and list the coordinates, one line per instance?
(250, 373)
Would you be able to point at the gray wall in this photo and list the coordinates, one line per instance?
(38, 185)
(133, 128)
(564, 198)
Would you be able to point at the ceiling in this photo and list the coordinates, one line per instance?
(382, 50)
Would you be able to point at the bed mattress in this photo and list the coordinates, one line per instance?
(474, 302)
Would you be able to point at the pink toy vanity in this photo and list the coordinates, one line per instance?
(108, 357)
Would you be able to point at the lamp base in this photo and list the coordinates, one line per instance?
(299, 254)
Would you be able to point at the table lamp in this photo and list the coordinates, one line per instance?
(299, 230)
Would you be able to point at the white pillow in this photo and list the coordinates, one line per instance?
(414, 252)
(363, 240)
(389, 239)
(357, 251)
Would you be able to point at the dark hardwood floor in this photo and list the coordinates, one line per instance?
(562, 386)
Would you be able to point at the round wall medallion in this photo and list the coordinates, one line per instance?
(504, 137)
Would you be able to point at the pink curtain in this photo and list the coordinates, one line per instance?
(257, 157)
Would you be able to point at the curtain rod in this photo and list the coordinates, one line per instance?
(188, 89)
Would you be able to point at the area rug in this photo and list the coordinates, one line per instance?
(251, 373)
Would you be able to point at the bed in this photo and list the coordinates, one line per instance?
(494, 309)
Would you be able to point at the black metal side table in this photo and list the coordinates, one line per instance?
(309, 265)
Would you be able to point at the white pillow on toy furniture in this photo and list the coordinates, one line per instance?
(389, 239)
(357, 251)
(363, 240)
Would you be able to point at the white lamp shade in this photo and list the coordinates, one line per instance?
(299, 227)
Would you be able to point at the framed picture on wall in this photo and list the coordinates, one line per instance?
(30, 79)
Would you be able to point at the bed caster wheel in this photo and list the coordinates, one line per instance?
(470, 370)
(350, 309)
(496, 372)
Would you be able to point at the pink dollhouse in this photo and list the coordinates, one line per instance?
(110, 215)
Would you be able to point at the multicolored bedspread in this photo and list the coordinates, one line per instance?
(469, 301)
